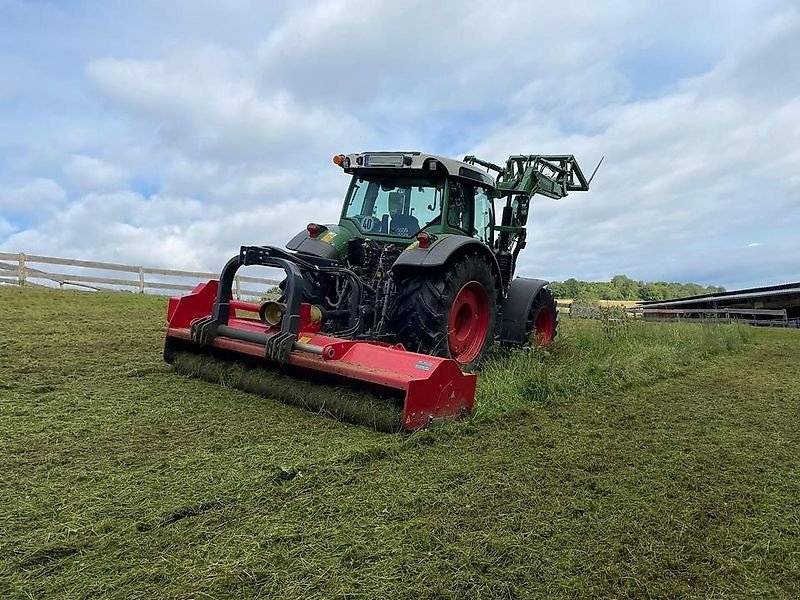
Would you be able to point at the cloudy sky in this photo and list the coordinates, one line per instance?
(169, 133)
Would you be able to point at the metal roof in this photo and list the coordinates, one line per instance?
(785, 289)
(416, 162)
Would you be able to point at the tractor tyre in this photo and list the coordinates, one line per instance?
(448, 311)
(542, 323)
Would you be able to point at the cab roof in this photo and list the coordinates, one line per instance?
(385, 162)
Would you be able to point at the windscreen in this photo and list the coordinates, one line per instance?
(394, 206)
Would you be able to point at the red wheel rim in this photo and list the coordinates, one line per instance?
(544, 327)
(469, 322)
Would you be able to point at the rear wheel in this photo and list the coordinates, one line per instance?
(542, 322)
(448, 312)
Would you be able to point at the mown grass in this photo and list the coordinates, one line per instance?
(378, 410)
(652, 462)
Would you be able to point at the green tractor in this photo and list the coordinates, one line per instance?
(425, 251)
(401, 297)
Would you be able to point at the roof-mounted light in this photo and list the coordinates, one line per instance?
(385, 160)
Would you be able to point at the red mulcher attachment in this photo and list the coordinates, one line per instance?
(434, 389)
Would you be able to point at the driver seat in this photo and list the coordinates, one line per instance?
(402, 225)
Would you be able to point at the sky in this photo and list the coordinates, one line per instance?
(168, 134)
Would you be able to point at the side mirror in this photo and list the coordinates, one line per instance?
(519, 211)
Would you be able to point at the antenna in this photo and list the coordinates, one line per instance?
(595, 170)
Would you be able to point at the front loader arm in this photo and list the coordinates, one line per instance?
(551, 175)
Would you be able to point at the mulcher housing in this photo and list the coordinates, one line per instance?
(415, 282)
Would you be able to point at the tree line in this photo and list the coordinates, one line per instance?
(622, 287)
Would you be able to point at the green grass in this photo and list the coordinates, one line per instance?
(591, 358)
(625, 462)
(360, 406)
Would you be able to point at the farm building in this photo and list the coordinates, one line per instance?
(777, 305)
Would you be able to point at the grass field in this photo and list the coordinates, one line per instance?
(638, 461)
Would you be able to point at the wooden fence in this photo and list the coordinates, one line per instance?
(16, 269)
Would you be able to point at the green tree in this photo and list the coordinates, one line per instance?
(622, 287)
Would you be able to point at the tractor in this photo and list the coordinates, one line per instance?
(416, 277)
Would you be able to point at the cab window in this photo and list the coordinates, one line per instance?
(459, 208)
(470, 210)
(395, 206)
(483, 215)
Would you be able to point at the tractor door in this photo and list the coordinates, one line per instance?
(470, 210)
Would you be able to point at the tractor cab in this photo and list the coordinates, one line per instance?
(398, 195)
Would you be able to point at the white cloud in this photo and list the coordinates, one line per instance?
(89, 173)
(206, 103)
(164, 231)
(237, 184)
(421, 56)
(5, 229)
(31, 197)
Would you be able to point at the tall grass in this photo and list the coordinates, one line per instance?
(598, 357)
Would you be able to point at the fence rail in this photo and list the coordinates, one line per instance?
(755, 316)
(774, 317)
(15, 269)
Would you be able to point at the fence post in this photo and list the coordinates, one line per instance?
(237, 288)
(141, 280)
(21, 273)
